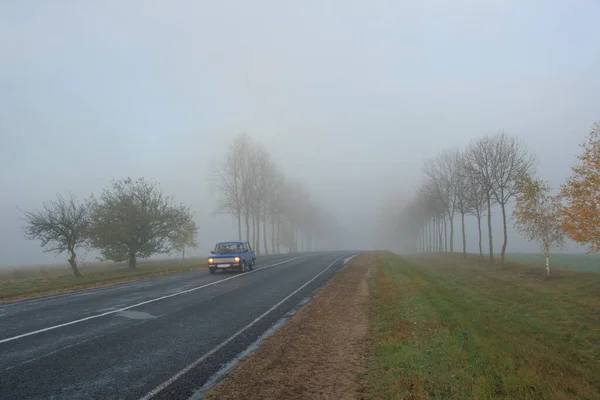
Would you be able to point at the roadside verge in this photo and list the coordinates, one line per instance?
(40, 286)
(319, 353)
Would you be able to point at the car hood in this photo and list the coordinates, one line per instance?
(226, 255)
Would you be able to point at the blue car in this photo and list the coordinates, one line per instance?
(234, 255)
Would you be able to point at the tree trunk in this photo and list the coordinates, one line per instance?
(451, 233)
(429, 237)
(479, 232)
(547, 262)
(295, 241)
(247, 218)
(440, 233)
(273, 237)
(438, 236)
(132, 261)
(265, 236)
(73, 263)
(503, 253)
(433, 237)
(424, 239)
(183, 253)
(445, 235)
(239, 222)
(257, 237)
(489, 222)
(278, 236)
(254, 232)
(464, 235)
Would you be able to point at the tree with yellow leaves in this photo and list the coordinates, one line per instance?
(581, 216)
(537, 215)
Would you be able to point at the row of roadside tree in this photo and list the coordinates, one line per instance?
(491, 172)
(271, 210)
(133, 219)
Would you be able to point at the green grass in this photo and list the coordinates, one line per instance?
(445, 328)
(581, 262)
(33, 282)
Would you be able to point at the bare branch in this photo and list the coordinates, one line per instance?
(61, 226)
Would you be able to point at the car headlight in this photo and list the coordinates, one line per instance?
(210, 260)
(236, 259)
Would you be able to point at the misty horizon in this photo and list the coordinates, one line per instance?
(348, 99)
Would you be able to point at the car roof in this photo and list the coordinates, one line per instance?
(234, 241)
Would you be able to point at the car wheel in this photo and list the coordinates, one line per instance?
(212, 270)
(251, 266)
(243, 266)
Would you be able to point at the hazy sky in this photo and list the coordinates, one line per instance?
(349, 96)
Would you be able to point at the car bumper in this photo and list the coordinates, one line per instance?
(225, 265)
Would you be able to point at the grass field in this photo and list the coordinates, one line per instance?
(445, 328)
(35, 281)
(581, 262)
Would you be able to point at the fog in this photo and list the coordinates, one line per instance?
(349, 97)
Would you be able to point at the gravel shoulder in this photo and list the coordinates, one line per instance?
(319, 353)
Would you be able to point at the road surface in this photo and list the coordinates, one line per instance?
(157, 338)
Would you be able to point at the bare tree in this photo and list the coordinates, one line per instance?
(61, 226)
(434, 202)
(461, 187)
(480, 165)
(230, 179)
(265, 191)
(442, 171)
(253, 190)
(295, 211)
(512, 161)
(252, 197)
(476, 199)
(133, 219)
(275, 209)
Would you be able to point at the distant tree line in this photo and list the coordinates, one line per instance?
(495, 170)
(272, 212)
(132, 219)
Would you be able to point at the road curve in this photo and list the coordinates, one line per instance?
(157, 338)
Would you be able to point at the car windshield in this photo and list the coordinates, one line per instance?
(228, 248)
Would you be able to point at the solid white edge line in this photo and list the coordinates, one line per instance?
(178, 375)
(10, 339)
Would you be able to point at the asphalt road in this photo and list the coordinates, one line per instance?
(160, 338)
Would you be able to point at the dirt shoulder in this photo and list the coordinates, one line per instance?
(319, 353)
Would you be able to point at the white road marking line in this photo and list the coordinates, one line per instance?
(347, 260)
(117, 330)
(178, 375)
(10, 339)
